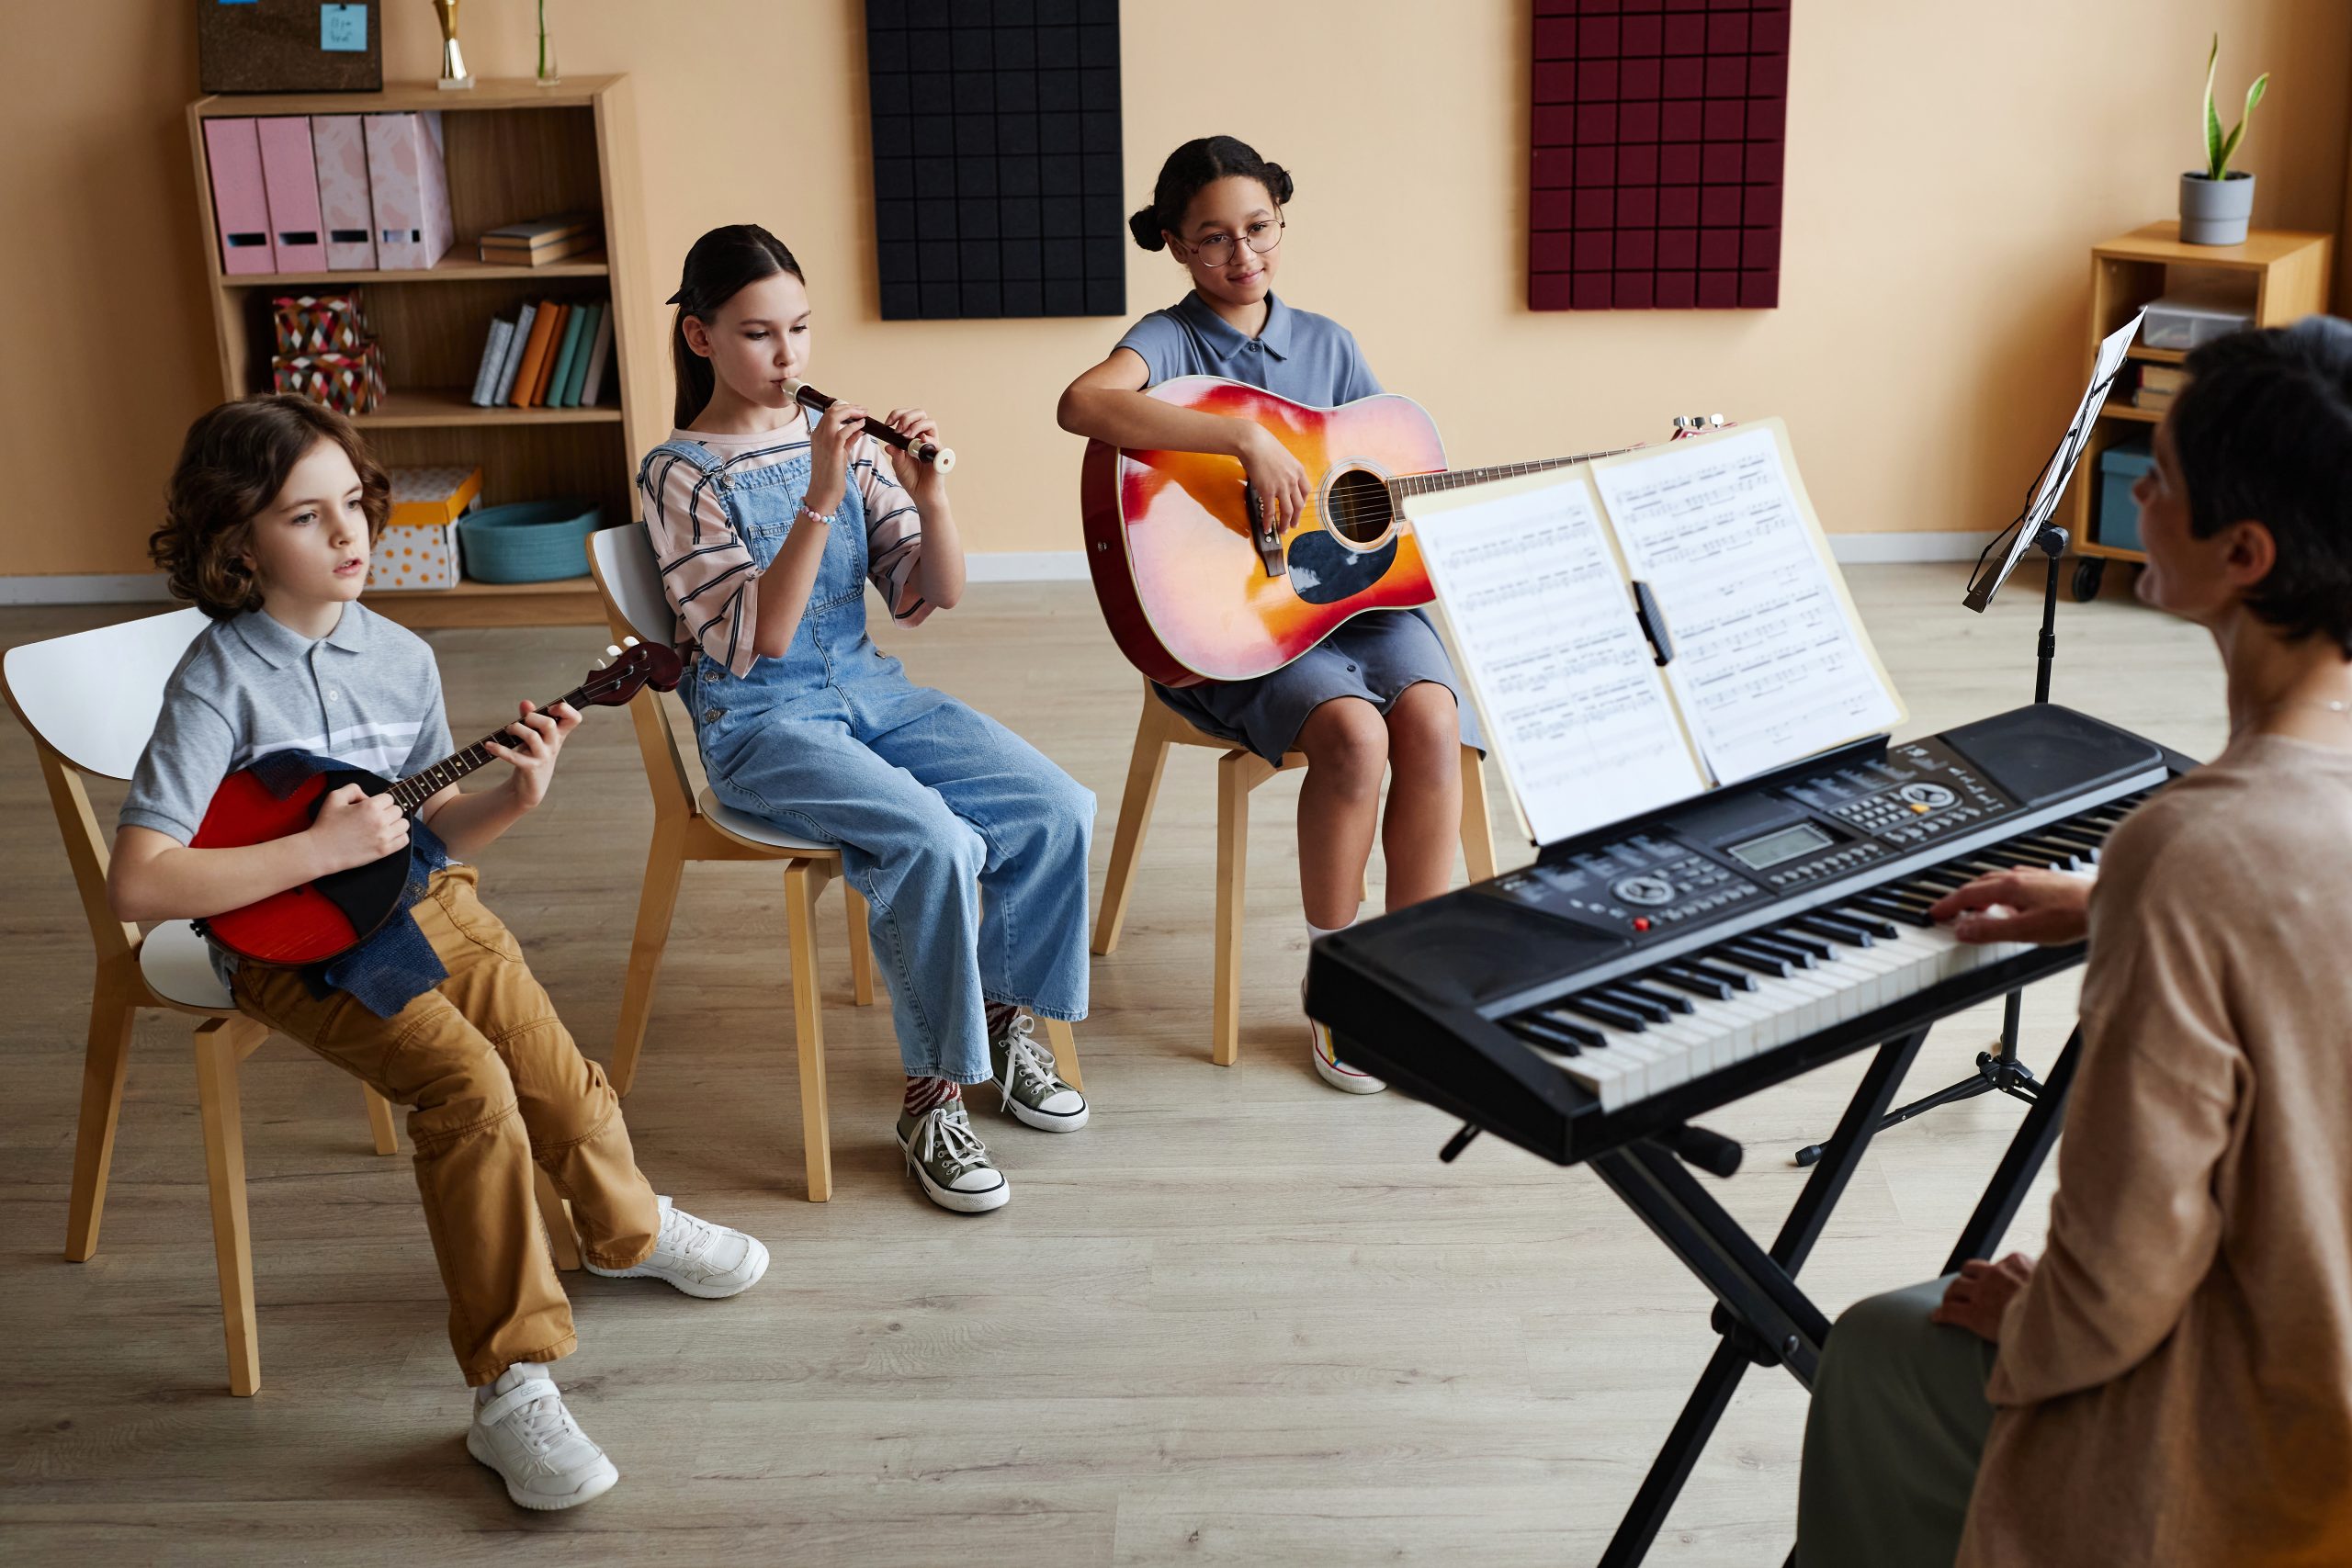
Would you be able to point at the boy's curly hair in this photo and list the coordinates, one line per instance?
(231, 466)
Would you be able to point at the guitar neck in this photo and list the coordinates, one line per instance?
(1454, 479)
(423, 786)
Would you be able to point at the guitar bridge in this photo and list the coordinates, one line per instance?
(1269, 542)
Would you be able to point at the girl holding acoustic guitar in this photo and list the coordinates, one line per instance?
(1378, 693)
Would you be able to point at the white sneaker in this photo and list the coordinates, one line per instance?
(697, 1257)
(948, 1158)
(1330, 1069)
(1032, 1090)
(524, 1432)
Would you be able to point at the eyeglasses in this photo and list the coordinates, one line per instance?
(1261, 236)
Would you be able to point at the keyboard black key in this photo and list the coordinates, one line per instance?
(1673, 1002)
(1722, 974)
(1641, 1007)
(1862, 919)
(2059, 856)
(1543, 1033)
(1837, 931)
(1813, 947)
(1755, 960)
(1692, 981)
(1602, 1012)
(1908, 914)
(1584, 1034)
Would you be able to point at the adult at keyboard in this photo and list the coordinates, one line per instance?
(2172, 1383)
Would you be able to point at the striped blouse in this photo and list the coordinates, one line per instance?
(710, 573)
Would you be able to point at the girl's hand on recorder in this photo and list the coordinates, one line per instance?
(830, 445)
(915, 474)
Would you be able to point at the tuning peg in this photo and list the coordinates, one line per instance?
(629, 642)
(612, 652)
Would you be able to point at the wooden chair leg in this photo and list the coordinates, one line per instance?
(1237, 773)
(1064, 1044)
(861, 944)
(1478, 827)
(379, 1122)
(563, 1241)
(218, 1043)
(1143, 768)
(801, 881)
(664, 865)
(106, 1064)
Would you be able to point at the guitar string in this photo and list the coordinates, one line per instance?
(446, 772)
(1346, 512)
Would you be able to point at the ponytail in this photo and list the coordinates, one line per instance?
(718, 266)
(1190, 169)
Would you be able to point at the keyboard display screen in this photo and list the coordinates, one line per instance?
(1774, 848)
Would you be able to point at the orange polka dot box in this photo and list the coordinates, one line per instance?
(420, 548)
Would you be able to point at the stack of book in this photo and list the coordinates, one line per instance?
(548, 355)
(542, 240)
(2158, 383)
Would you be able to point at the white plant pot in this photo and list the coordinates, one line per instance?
(2213, 212)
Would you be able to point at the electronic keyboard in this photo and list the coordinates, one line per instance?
(1646, 972)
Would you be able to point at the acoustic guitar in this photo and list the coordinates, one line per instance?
(1197, 588)
(326, 919)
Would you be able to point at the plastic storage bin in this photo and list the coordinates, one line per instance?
(528, 541)
(2186, 322)
(2118, 514)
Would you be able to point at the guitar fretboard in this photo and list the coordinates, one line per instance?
(1454, 479)
(423, 786)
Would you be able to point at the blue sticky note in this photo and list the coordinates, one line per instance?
(343, 27)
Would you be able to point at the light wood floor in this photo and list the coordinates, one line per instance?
(1240, 1319)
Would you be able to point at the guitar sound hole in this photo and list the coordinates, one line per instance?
(1358, 508)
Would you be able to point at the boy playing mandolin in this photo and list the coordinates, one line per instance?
(269, 519)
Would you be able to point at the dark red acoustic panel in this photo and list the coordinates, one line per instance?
(1658, 129)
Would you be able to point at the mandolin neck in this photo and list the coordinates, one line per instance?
(423, 786)
(1454, 479)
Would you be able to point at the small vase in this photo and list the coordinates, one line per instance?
(2215, 213)
(548, 76)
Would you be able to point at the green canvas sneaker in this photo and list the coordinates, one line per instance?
(1025, 1078)
(948, 1158)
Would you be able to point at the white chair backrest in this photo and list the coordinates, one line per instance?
(625, 558)
(93, 697)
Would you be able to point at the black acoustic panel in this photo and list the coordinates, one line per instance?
(997, 158)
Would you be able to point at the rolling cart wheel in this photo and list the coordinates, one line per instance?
(2088, 573)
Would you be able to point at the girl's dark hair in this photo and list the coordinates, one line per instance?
(1190, 169)
(2262, 432)
(231, 466)
(717, 269)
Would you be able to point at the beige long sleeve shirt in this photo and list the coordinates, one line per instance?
(2175, 1383)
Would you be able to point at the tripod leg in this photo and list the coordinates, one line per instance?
(2027, 1150)
(1967, 1089)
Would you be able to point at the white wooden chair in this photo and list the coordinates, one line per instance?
(89, 702)
(696, 825)
(1239, 771)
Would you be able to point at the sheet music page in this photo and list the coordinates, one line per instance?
(1543, 634)
(1770, 663)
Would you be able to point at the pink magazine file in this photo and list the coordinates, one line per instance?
(239, 205)
(409, 189)
(297, 232)
(339, 146)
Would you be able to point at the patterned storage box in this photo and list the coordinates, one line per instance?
(347, 383)
(419, 548)
(320, 323)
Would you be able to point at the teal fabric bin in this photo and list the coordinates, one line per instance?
(2119, 515)
(528, 541)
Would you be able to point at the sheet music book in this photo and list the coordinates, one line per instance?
(1533, 576)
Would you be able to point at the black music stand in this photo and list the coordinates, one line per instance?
(1999, 1070)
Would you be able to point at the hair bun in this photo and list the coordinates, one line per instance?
(1144, 224)
(1278, 183)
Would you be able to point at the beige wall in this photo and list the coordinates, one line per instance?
(1948, 165)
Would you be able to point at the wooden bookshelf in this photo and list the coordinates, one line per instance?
(514, 150)
(2281, 275)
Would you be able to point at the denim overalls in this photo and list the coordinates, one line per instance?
(936, 808)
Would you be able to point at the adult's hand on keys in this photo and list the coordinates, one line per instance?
(354, 828)
(2048, 907)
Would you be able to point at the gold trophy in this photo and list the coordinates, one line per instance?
(453, 58)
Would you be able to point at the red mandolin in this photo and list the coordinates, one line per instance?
(1196, 589)
(323, 919)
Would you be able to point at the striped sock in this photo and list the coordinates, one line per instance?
(1000, 1016)
(924, 1094)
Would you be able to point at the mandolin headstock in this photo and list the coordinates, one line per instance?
(628, 669)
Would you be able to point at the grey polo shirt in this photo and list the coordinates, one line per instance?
(367, 695)
(1297, 354)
